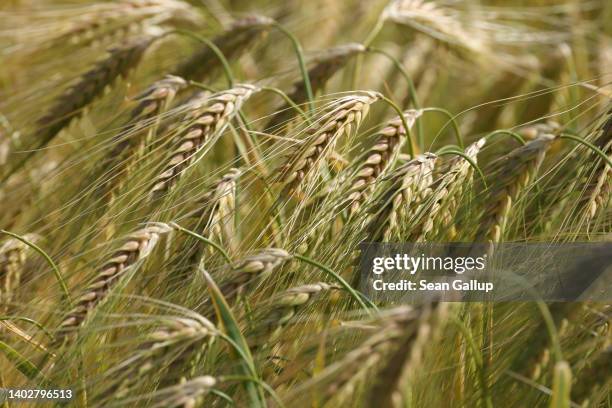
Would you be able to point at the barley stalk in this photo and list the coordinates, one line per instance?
(410, 184)
(13, 253)
(214, 220)
(346, 115)
(177, 343)
(440, 211)
(290, 302)
(208, 121)
(101, 22)
(253, 267)
(136, 247)
(513, 172)
(69, 106)
(130, 144)
(379, 158)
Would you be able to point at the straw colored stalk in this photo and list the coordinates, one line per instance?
(207, 122)
(510, 175)
(235, 40)
(343, 118)
(136, 247)
(379, 158)
(409, 185)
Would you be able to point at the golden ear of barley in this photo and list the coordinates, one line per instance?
(120, 61)
(263, 261)
(597, 195)
(593, 378)
(13, 254)
(378, 159)
(252, 267)
(5, 148)
(217, 208)
(153, 99)
(151, 102)
(207, 121)
(213, 219)
(439, 211)
(409, 185)
(536, 130)
(396, 329)
(510, 175)
(186, 394)
(121, 18)
(173, 348)
(235, 39)
(402, 365)
(438, 22)
(343, 118)
(136, 247)
(325, 66)
(290, 302)
(220, 193)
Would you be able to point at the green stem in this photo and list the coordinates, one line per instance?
(218, 53)
(552, 330)
(265, 386)
(203, 86)
(358, 297)
(223, 396)
(203, 239)
(411, 90)
(380, 22)
(451, 120)
(591, 146)
(477, 358)
(404, 123)
(56, 271)
(289, 101)
(25, 366)
(300, 56)
(506, 132)
(469, 160)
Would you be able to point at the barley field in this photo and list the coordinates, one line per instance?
(184, 186)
